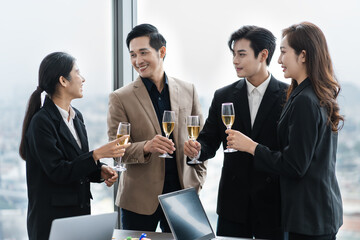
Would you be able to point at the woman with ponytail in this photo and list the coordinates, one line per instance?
(54, 144)
(311, 205)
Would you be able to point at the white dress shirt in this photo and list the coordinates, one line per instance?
(70, 122)
(255, 95)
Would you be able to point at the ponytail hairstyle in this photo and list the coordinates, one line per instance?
(307, 36)
(52, 67)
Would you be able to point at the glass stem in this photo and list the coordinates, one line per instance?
(228, 129)
(193, 157)
(119, 162)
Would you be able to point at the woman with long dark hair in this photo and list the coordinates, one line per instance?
(308, 127)
(59, 165)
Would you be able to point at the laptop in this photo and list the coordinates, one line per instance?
(86, 227)
(186, 216)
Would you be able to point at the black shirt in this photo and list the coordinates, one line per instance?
(161, 102)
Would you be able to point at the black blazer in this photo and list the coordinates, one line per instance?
(58, 172)
(243, 192)
(310, 196)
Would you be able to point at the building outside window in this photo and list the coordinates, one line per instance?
(29, 31)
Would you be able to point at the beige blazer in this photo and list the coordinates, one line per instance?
(143, 181)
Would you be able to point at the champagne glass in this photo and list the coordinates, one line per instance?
(193, 128)
(168, 124)
(228, 118)
(123, 129)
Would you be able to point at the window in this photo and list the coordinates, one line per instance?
(30, 31)
(197, 33)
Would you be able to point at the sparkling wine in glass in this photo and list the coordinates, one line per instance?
(228, 118)
(168, 124)
(123, 129)
(193, 128)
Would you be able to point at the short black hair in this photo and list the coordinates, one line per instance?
(260, 39)
(156, 39)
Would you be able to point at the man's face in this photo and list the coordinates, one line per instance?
(146, 60)
(245, 63)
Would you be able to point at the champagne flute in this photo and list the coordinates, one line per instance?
(193, 128)
(168, 124)
(123, 129)
(228, 118)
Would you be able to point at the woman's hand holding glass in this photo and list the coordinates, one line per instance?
(240, 141)
(112, 149)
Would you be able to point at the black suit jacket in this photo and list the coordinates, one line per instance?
(245, 194)
(58, 172)
(310, 196)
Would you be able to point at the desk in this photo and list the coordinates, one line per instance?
(122, 234)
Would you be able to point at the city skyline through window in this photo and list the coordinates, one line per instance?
(31, 30)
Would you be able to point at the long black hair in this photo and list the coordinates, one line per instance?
(52, 67)
(309, 37)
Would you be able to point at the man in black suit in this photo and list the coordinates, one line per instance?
(248, 200)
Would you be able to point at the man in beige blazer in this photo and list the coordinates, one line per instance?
(142, 103)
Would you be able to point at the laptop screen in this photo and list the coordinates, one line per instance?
(89, 227)
(186, 216)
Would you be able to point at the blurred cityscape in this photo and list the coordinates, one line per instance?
(13, 195)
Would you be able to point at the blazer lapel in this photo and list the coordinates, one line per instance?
(174, 102)
(241, 107)
(64, 131)
(295, 92)
(81, 131)
(286, 108)
(270, 97)
(143, 96)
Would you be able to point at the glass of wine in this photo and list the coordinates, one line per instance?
(168, 124)
(228, 118)
(123, 129)
(193, 128)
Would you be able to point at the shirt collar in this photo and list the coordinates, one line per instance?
(65, 114)
(149, 84)
(261, 88)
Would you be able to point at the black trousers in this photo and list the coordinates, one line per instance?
(246, 230)
(134, 221)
